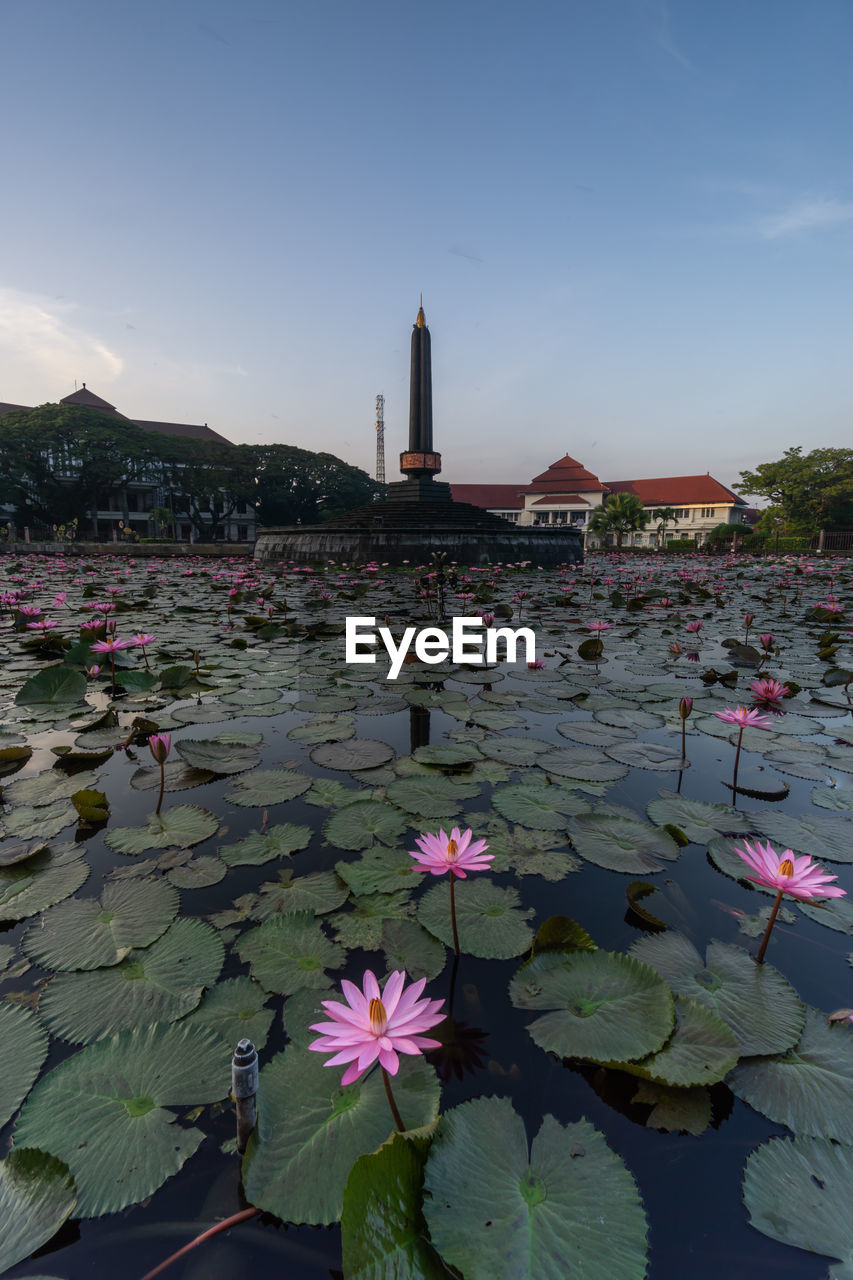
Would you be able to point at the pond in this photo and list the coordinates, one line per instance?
(622, 1089)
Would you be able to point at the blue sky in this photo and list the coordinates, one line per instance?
(632, 223)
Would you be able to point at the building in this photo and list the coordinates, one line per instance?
(566, 493)
(131, 507)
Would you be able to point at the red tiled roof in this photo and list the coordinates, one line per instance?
(561, 500)
(501, 497)
(678, 491)
(565, 476)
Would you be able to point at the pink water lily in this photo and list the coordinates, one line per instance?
(787, 873)
(745, 717)
(454, 853)
(769, 690)
(376, 1024)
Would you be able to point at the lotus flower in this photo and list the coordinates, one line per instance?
(743, 716)
(769, 690)
(374, 1024)
(454, 853)
(799, 877)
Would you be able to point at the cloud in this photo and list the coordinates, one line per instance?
(42, 347)
(805, 216)
(666, 40)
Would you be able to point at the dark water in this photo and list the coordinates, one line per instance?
(691, 1186)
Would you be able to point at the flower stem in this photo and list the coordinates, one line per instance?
(683, 738)
(737, 761)
(243, 1216)
(453, 912)
(398, 1119)
(770, 923)
(162, 785)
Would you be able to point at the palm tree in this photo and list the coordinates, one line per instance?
(620, 513)
(664, 516)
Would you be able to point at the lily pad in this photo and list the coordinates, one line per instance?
(86, 933)
(267, 787)
(383, 1232)
(263, 846)
(357, 825)
(380, 870)
(599, 1005)
(289, 952)
(542, 807)
(183, 825)
(23, 1049)
(569, 1207)
(699, 820)
(814, 1176)
(490, 921)
(234, 1010)
(431, 796)
(809, 1088)
(53, 687)
(102, 1111)
(701, 1050)
(215, 756)
(45, 879)
(37, 1194)
(622, 844)
(159, 983)
(357, 753)
(761, 1008)
(311, 1131)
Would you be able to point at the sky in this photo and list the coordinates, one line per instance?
(631, 222)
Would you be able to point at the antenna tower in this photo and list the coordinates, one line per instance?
(380, 439)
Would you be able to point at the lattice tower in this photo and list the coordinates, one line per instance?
(380, 439)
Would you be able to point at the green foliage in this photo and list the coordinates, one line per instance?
(295, 486)
(619, 514)
(809, 491)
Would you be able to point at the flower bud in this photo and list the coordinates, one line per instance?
(685, 706)
(160, 744)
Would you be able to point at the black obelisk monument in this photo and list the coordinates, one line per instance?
(420, 462)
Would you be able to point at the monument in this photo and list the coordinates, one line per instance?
(418, 516)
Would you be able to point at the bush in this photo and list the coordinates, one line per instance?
(679, 545)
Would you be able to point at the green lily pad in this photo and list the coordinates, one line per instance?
(318, 893)
(409, 947)
(40, 882)
(383, 1232)
(539, 806)
(586, 764)
(701, 1050)
(267, 787)
(37, 1194)
(622, 844)
(809, 1088)
(357, 825)
(311, 1131)
(215, 756)
(29, 823)
(263, 846)
(197, 873)
(380, 870)
(234, 1010)
(102, 1111)
(797, 1190)
(430, 795)
(183, 825)
(364, 926)
(515, 751)
(675, 1110)
(568, 1208)
(289, 952)
(490, 921)
(599, 1005)
(52, 687)
(822, 838)
(86, 933)
(699, 820)
(159, 983)
(357, 753)
(23, 1049)
(754, 1000)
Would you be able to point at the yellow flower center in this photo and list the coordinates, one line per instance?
(377, 1016)
(452, 851)
(786, 868)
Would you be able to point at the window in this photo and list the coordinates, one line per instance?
(242, 533)
(708, 513)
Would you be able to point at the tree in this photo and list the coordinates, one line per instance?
(296, 486)
(808, 491)
(620, 513)
(208, 479)
(60, 461)
(662, 517)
